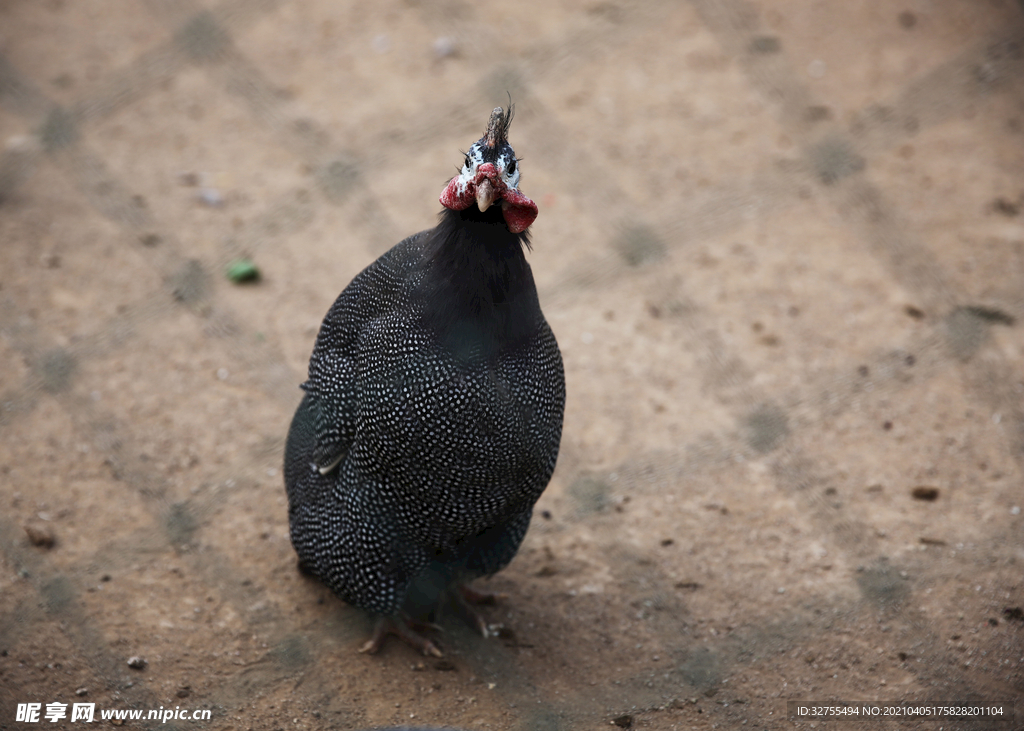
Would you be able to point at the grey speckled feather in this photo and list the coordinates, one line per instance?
(432, 415)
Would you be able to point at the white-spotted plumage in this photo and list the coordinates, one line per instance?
(433, 410)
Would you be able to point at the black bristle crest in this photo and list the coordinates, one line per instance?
(497, 127)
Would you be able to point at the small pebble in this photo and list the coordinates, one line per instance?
(137, 662)
(40, 536)
(444, 47)
(82, 691)
(925, 492)
(210, 197)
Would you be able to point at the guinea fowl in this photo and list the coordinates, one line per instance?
(432, 415)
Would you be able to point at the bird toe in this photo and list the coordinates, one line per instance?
(400, 628)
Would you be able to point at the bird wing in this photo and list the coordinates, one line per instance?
(332, 388)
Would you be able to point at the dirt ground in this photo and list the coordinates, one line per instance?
(780, 244)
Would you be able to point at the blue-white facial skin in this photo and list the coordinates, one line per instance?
(490, 175)
(505, 161)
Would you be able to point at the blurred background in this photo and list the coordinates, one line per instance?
(780, 244)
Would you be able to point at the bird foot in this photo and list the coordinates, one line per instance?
(465, 599)
(399, 627)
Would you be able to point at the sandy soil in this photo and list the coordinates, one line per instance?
(780, 245)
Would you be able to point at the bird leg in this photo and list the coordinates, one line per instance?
(399, 627)
(464, 600)
(473, 596)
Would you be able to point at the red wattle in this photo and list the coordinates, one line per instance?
(518, 210)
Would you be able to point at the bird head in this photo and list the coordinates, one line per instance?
(490, 176)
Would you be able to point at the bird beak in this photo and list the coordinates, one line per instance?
(484, 195)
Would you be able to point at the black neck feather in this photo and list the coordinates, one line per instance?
(477, 291)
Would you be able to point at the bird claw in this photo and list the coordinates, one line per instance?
(399, 628)
(464, 601)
